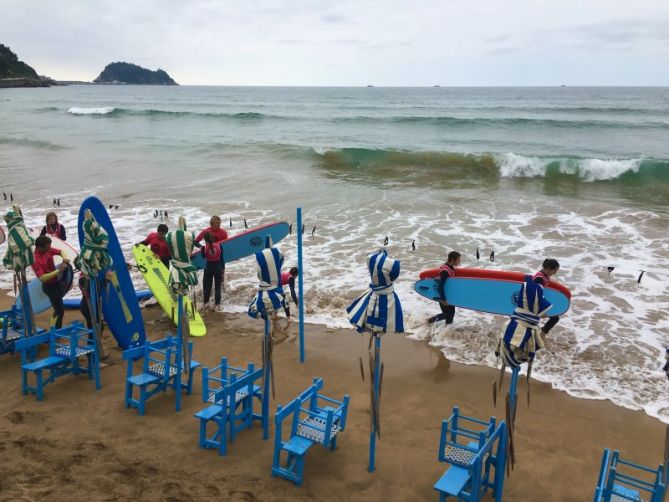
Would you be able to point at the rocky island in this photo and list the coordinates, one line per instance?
(128, 73)
(15, 73)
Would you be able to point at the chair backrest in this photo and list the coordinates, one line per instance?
(458, 431)
(633, 476)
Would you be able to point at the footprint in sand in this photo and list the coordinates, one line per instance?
(241, 496)
(20, 417)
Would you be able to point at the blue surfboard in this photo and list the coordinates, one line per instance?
(73, 303)
(487, 295)
(246, 243)
(119, 301)
(38, 299)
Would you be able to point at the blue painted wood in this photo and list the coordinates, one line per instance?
(73, 303)
(635, 482)
(234, 392)
(473, 448)
(486, 295)
(313, 420)
(119, 301)
(246, 243)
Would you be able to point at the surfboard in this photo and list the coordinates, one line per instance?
(491, 291)
(245, 243)
(119, 300)
(38, 299)
(73, 303)
(156, 276)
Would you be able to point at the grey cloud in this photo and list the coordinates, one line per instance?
(335, 19)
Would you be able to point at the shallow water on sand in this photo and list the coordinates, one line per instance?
(581, 175)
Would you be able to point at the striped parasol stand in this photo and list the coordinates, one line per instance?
(183, 276)
(18, 257)
(378, 311)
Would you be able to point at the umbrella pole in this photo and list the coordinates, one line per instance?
(375, 400)
(513, 396)
(300, 283)
(95, 315)
(267, 374)
(182, 334)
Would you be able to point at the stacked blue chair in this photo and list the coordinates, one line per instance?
(473, 448)
(313, 420)
(232, 393)
(162, 369)
(11, 330)
(620, 480)
(66, 346)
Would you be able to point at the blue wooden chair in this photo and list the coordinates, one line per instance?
(473, 448)
(11, 330)
(232, 393)
(314, 419)
(162, 369)
(66, 346)
(621, 480)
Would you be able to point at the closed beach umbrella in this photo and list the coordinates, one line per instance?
(377, 311)
(18, 257)
(92, 259)
(183, 275)
(268, 299)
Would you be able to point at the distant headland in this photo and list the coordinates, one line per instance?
(128, 73)
(16, 73)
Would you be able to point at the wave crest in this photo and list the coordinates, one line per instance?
(104, 110)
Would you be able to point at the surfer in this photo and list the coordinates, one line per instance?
(549, 268)
(215, 228)
(47, 272)
(445, 271)
(158, 245)
(288, 278)
(213, 270)
(52, 227)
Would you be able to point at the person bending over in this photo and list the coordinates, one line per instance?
(47, 272)
(158, 245)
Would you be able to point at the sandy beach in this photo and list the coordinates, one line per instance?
(79, 444)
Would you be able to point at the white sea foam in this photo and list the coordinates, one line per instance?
(512, 165)
(104, 110)
(609, 346)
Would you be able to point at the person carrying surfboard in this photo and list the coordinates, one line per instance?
(156, 242)
(47, 272)
(445, 271)
(52, 227)
(549, 268)
(218, 235)
(213, 271)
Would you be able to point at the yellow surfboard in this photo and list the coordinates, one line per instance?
(156, 276)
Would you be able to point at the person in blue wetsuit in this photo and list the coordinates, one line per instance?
(445, 271)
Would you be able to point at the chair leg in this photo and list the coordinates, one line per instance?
(24, 381)
(40, 394)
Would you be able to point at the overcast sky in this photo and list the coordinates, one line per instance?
(348, 42)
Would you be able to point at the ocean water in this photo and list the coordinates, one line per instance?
(578, 174)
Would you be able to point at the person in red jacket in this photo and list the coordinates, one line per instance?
(47, 272)
(288, 279)
(158, 244)
(213, 270)
(52, 227)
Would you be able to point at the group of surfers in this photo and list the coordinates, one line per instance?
(48, 272)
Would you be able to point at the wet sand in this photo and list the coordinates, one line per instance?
(81, 445)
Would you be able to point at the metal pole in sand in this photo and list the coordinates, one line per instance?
(300, 282)
(513, 396)
(375, 404)
(267, 374)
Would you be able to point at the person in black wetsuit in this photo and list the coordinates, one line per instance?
(445, 271)
(549, 268)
